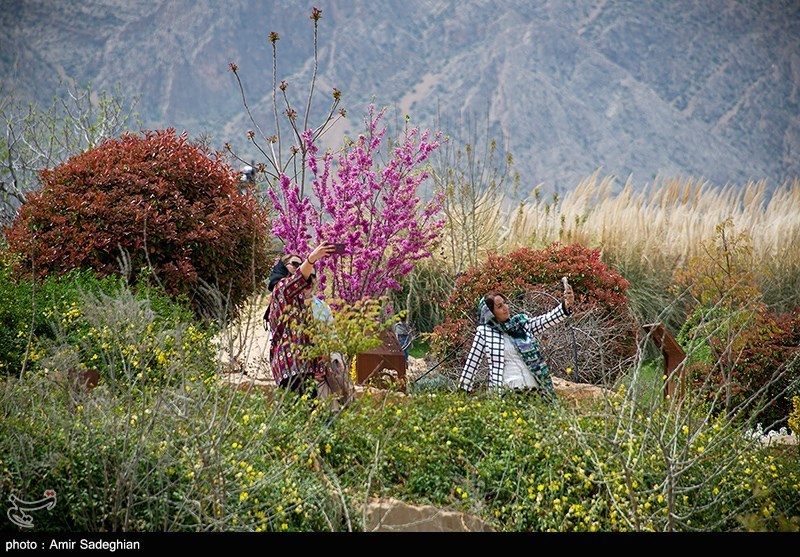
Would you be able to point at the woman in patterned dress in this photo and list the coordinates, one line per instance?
(287, 313)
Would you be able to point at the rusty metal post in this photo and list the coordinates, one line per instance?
(673, 358)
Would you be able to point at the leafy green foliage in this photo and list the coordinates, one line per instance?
(742, 354)
(83, 324)
(767, 368)
(794, 417)
(170, 206)
(214, 458)
(423, 294)
(186, 458)
(29, 313)
(528, 466)
(121, 338)
(351, 328)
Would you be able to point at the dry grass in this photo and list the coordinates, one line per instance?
(664, 223)
(652, 231)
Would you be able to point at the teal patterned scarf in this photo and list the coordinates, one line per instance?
(525, 344)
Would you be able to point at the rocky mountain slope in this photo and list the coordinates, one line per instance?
(707, 88)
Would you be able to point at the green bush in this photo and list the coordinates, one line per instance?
(523, 465)
(85, 324)
(29, 313)
(423, 294)
(760, 363)
(190, 458)
(794, 417)
(742, 354)
(199, 457)
(121, 338)
(767, 369)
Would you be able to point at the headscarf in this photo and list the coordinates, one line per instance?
(525, 344)
(514, 327)
(278, 272)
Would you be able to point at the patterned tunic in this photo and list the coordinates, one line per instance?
(287, 310)
(488, 342)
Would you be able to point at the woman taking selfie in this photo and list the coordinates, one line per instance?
(509, 344)
(287, 313)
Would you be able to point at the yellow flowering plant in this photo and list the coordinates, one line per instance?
(349, 329)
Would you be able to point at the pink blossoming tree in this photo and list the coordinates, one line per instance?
(373, 209)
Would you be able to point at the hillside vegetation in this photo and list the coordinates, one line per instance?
(161, 445)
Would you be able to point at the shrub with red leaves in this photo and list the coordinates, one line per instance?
(763, 372)
(604, 330)
(170, 205)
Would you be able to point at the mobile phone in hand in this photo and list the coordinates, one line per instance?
(338, 248)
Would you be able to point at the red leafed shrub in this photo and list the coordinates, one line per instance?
(766, 366)
(605, 332)
(754, 374)
(170, 205)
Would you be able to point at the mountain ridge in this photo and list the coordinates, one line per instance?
(691, 88)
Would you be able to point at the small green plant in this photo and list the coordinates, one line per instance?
(351, 328)
(419, 348)
(121, 338)
(78, 324)
(32, 312)
(794, 417)
(646, 381)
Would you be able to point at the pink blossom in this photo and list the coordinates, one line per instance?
(373, 209)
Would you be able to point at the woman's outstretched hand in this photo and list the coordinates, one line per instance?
(569, 295)
(322, 250)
